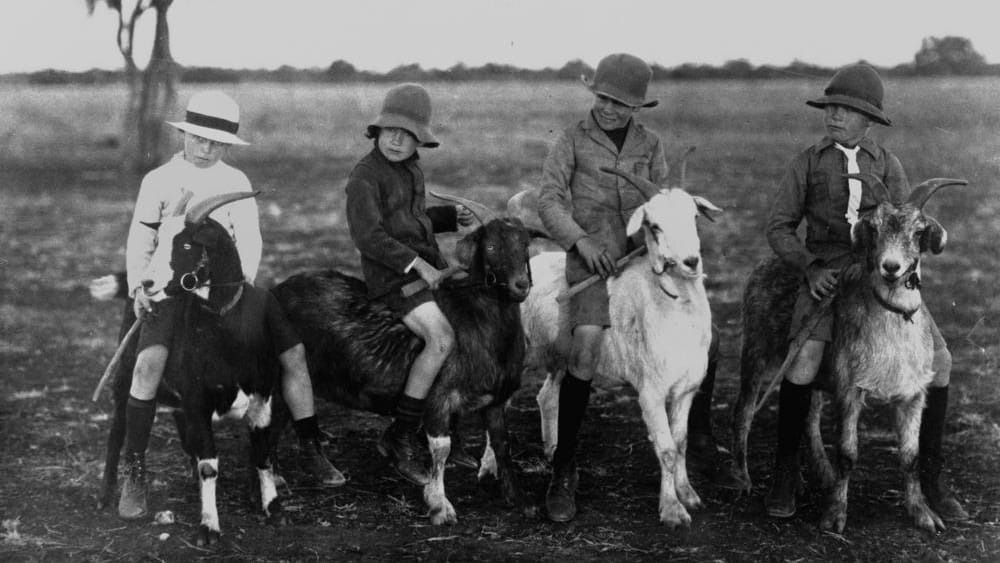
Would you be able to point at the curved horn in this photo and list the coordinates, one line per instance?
(483, 214)
(879, 190)
(923, 192)
(201, 210)
(647, 188)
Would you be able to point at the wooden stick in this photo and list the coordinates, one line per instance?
(416, 285)
(794, 348)
(116, 359)
(580, 286)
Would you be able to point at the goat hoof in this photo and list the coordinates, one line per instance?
(834, 519)
(207, 536)
(927, 520)
(689, 498)
(444, 514)
(675, 516)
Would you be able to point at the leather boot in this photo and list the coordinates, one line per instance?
(560, 498)
(938, 494)
(785, 484)
(315, 464)
(401, 443)
(132, 504)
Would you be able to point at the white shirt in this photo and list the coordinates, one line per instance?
(159, 193)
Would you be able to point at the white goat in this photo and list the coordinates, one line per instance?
(659, 337)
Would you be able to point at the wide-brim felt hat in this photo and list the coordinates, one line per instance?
(858, 87)
(408, 106)
(624, 78)
(212, 115)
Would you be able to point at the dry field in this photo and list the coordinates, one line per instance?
(64, 210)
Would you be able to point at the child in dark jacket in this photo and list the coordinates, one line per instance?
(394, 232)
(813, 189)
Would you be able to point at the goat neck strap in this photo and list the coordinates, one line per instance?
(236, 299)
(907, 315)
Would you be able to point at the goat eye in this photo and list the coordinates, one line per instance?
(491, 248)
(187, 246)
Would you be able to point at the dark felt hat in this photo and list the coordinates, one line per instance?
(858, 87)
(623, 78)
(408, 106)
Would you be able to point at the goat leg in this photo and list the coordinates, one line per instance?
(908, 415)
(751, 381)
(819, 461)
(548, 410)
(849, 409)
(680, 407)
(199, 435)
(495, 417)
(441, 509)
(258, 417)
(654, 413)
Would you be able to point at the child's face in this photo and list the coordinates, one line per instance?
(611, 114)
(845, 125)
(396, 144)
(202, 152)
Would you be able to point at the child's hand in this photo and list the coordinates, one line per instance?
(429, 273)
(141, 304)
(596, 257)
(822, 281)
(465, 217)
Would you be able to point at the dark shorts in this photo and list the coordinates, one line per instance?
(258, 321)
(403, 305)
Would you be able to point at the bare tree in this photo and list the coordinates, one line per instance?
(152, 92)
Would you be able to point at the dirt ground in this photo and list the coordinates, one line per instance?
(62, 226)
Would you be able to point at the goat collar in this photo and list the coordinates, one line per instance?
(907, 315)
(232, 303)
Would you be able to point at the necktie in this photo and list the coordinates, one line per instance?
(853, 186)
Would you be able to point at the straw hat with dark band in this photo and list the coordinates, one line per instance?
(212, 115)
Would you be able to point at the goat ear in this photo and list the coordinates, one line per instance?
(635, 221)
(706, 208)
(934, 236)
(465, 249)
(155, 226)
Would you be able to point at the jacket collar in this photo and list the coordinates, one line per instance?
(866, 145)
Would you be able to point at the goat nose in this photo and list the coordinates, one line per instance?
(147, 283)
(692, 262)
(891, 267)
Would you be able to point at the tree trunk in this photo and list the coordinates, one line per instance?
(152, 97)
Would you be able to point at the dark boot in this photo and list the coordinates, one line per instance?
(931, 461)
(139, 416)
(404, 442)
(310, 454)
(132, 504)
(560, 498)
(786, 480)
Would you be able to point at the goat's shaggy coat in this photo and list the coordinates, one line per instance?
(881, 349)
(359, 353)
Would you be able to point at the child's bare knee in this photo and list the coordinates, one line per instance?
(941, 365)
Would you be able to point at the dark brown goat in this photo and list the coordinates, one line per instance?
(359, 353)
(208, 371)
(881, 346)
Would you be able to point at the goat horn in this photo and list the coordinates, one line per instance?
(647, 188)
(923, 192)
(879, 190)
(181, 204)
(203, 208)
(684, 163)
(473, 206)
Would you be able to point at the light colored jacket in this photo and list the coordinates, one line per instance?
(577, 199)
(163, 187)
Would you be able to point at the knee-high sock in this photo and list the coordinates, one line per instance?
(574, 394)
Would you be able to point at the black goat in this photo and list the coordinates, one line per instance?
(208, 370)
(881, 349)
(359, 353)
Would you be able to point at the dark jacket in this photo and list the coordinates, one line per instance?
(389, 222)
(813, 189)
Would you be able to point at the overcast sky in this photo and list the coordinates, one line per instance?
(379, 35)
